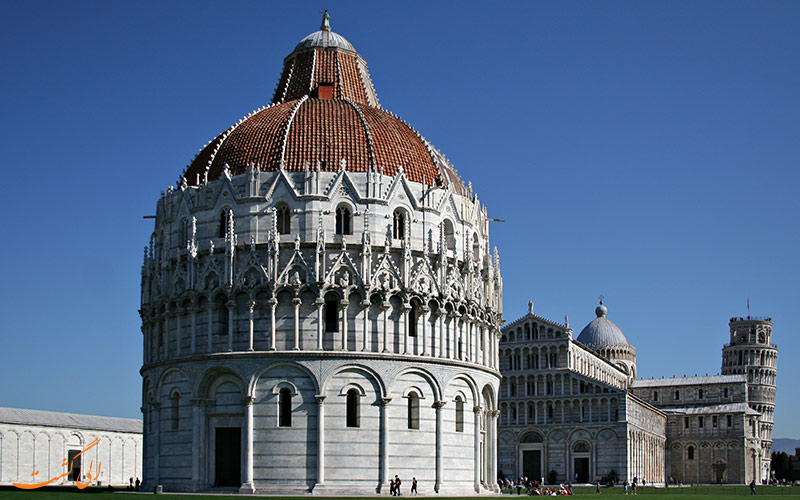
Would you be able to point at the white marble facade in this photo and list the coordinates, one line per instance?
(566, 412)
(39, 441)
(252, 292)
(573, 409)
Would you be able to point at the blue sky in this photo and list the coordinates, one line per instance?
(646, 151)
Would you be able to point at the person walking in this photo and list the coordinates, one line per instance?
(413, 486)
(753, 487)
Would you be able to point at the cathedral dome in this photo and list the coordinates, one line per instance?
(324, 116)
(601, 331)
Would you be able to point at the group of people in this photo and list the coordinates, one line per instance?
(534, 487)
(633, 485)
(394, 486)
(133, 486)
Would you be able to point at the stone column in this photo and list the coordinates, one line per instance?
(451, 343)
(439, 445)
(386, 306)
(198, 432)
(468, 337)
(231, 308)
(320, 441)
(492, 482)
(251, 306)
(441, 333)
(320, 303)
(273, 304)
(155, 410)
(296, 301)
(193, 311)
(496, 347)
(405, 326)
(145, 432)
(146, 343)
(178, 318)
(476, 410)
(425, 311)
(247, 486)
(210, 329)
(165, 333)
(365, 336)
(384, 441)
(345, 303)
(484, 335)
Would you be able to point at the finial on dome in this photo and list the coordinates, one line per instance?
(601, 310)
(326, 21)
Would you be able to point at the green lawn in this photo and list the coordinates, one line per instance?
(686, 493)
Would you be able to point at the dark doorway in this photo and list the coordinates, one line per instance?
(532, 464)
(582, 470)
(228, 455)
(74, 459)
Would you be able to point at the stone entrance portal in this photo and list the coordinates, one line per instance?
(228, 456)
(581, 465)
(532, 464)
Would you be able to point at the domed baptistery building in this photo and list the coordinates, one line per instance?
(320, 304)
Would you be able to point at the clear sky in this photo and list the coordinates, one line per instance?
(646, 151)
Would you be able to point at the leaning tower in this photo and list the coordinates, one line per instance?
(752, 352)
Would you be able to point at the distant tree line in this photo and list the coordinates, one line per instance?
(783, 466)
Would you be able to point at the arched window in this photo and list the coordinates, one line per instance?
(284, 219)
(399, 224)
(690, 453)
(175, 400)
(285, 408)
(184, 233)
(222, 315)
(459, 414)
(449, 236)
(413, 410)
(223, 222)
(413, 318)
(353, 408)
(343, 220)
(331, 314)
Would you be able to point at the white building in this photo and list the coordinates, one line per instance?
(573, 409)
(320, 303)
(39, 441)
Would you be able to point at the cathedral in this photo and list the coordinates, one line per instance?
(573, 410)
(320, 303)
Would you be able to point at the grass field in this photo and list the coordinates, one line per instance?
(685, 493)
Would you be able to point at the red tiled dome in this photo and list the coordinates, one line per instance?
(325, 110)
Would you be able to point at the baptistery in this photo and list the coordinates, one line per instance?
(320, 303)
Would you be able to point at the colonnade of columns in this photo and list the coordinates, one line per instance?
(484, 450)
(646, 457)
(448, 335)
(561, 411)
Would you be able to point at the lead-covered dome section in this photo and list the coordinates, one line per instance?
(601, 331)
(324, 39)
